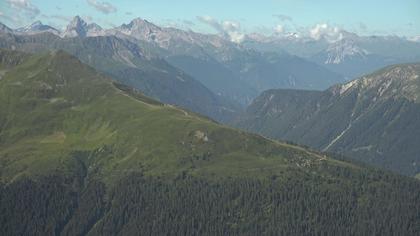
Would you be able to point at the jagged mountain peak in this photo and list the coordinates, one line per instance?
(77, 21)
(76, 27)
(140, 28)
(140, 25)
(142, 22)
(80, 28)
(343, 49)
(37, 27)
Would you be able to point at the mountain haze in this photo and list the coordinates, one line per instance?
(230, 70)
(349, 54)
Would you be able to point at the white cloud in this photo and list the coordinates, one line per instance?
(414, 38)
(211, 22)
(236, 37)
(279, 29)
(327, 32)
(228, 29)
(104, 7)
(25, 7)
(231, 26)
(283, 18)
(233, 29)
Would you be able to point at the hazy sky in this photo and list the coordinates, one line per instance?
(400, 17)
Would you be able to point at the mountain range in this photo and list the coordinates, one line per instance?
(374, 119)
(240, 72)
(217, 78)
(350, 55)
(236, 73)
(82, 154)
(134, 64)
(146, 129)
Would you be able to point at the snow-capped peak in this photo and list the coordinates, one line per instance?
(139, 28)
(339, 51)
(139, 22)
(37, 27)
(76, 27)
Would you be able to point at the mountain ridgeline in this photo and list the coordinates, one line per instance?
(136, 65)
(350, 55)
(374, 119)
(83, 155)
(232, 73)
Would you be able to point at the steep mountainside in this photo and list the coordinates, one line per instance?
(82, 155)
(241, 75)
(134, 65)
(375, 119)
(271, 70)
(216, 76)
(229, 69)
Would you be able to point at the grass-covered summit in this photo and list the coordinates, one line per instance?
(57, 114)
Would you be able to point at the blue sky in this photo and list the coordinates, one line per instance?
(365, 17)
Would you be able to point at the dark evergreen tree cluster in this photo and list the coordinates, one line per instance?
(372, 203)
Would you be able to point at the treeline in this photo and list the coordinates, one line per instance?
(294, 203)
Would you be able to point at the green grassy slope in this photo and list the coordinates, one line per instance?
(135, 64)
(55, 111)
(81, 155)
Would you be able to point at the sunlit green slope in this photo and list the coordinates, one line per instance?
(57, 114)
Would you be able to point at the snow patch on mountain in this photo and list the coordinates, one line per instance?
(342, 50)
(139, 29)
(36, 28)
